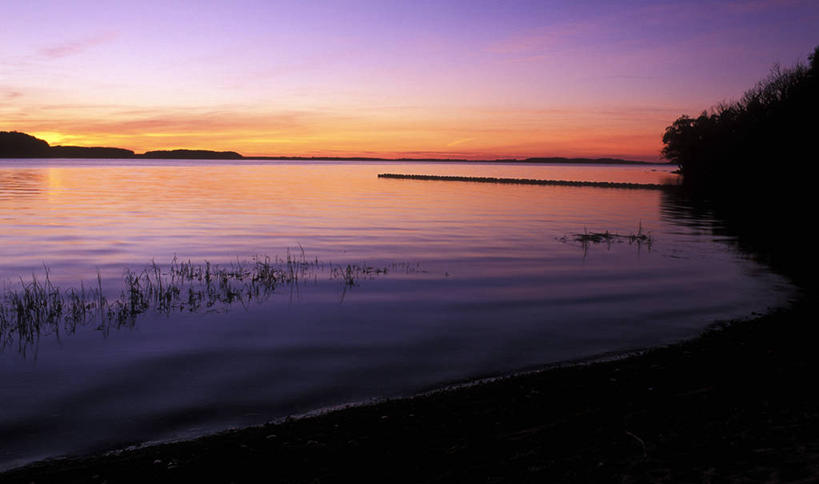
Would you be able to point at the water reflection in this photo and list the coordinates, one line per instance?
(21, 183)
(752, 231)
(498, 291)
(104, 216)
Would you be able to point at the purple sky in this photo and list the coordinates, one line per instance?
(459, 78)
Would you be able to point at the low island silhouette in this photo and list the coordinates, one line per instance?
(14, 144)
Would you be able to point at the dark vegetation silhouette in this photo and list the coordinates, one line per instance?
(89, 152)
(20, 145)
(747, 162)
(192, 155)
(761, 139)
(14, 144)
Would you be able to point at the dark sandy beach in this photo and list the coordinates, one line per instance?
(733, 404)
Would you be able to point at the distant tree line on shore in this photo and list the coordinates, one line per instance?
(20, 145)
(14, 144)
(763, 139)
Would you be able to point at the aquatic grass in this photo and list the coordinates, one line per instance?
(351, 274)
(30, 309)
(587, 238)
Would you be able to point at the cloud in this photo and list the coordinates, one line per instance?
(78, 46)
(460, 141)
(760, 5)
(545, 38)
(477, 133)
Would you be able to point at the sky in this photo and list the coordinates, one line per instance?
(468, 79)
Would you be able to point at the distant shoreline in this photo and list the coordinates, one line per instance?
(564, 161)
(20, 145)
(550, 160)
(538, 160)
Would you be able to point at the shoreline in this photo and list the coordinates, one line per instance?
(445, 388)
(143, 159)
(15, 144)
(366, 403)
(540, 407)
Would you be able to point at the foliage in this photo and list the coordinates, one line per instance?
(21, 145)
(753, 140)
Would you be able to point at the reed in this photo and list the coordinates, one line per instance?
(31, 309)
(587, 238)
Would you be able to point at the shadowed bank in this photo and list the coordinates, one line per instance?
(749, 160)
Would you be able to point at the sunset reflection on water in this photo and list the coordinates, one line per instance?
(483, 279)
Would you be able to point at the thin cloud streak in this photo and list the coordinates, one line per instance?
(75, 47)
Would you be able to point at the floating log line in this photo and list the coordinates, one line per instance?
(529, 181)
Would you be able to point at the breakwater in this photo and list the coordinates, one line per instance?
(529, 181)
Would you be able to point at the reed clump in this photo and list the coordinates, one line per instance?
(587, 238)
(30, 309)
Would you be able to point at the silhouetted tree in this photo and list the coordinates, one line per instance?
(756, 141)
(749, 162)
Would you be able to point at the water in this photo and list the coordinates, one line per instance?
(481, 280)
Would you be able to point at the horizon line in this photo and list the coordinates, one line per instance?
(232, 154)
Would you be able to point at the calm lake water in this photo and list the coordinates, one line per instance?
(446, 282)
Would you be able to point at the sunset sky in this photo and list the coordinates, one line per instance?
(471, 78)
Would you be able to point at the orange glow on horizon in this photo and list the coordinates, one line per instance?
(468, 134)
(376, 80)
